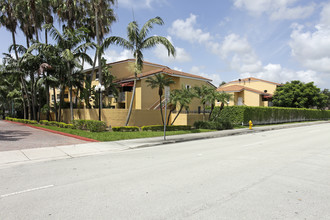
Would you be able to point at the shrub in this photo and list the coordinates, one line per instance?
(96, 126)
(268, 115)
(43, 122)
(217, 125)
(126, 128)
(31, 122)
(91, 125)
(69, 126)
(53, 123)
(202, 124)
(80, 124)
(61, 124)
(168, 128)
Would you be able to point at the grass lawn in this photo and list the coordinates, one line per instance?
(114, 136)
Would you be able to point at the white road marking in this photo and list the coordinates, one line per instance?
(24, 191)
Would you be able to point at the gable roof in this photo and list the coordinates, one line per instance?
(251, 79)
(128, 61)
(166, 71)
(237, 88)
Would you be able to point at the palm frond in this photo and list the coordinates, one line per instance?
(154, 40)
(148, 26)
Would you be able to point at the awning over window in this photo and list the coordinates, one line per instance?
(268, 96)
(129, 84)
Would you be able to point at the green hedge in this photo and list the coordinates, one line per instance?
(25, 121)
(217, 125)
(168, 128)
(91, 125)
(269, 115)
(126, 128)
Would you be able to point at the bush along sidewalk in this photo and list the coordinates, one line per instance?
(217, 125)
(90, 125)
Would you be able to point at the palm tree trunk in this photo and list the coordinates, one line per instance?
(23, 101)
(27, 98)
(14, 43)
(212, 108)
(61, 103)
(47, 100)
(71, 104)
(161, 109)
(177, 115)
(203, 112)
(131, 104)
(220, 109)
(33, 98)
(55, 104)
(169, 115)
(46, 36)
(98, 54)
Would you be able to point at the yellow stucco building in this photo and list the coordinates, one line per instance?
(146, 98)
(250, 92)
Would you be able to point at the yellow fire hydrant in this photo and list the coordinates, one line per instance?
(250, 125)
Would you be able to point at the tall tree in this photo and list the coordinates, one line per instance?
(101, 18)
(137, 42)
(160, 81)
(72, 44)
(297, 94)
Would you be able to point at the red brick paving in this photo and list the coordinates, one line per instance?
(15, 136)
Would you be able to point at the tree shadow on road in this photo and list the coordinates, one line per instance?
(13, 135)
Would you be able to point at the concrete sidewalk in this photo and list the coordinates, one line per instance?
(9, 158)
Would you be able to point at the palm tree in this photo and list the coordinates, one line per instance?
(72, 44)
(219, 97)
(137, 42)
(203, 93)
(223, 98)
(101, 18)
(160, 81)
(8, 19)
(183, 98)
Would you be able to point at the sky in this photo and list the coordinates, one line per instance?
(275, 40)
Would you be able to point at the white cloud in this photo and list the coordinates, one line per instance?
(198, 70)
(139, 3)
(240, 53)
(276, 9)
(177, 69)
(276, 73)
(185, 29)
(325, 14)
(311, 48)
(233, 43)
(113, 56)
(181, 54)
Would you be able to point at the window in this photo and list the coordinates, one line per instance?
(188, 87)
(97, 76)
(66, 95)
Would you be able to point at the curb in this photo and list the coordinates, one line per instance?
(232, 132)
(55, 132)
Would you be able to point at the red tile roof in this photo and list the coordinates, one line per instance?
(237, 88)
(169, 72)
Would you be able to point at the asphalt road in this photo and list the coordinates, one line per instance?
(18, 137)
(281, 174)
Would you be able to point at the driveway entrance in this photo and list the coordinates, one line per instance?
(17, 137)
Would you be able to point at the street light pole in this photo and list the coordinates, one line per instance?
(99, 88)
